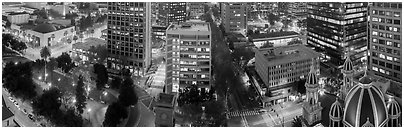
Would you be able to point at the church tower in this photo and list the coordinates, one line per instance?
(312, 107)
(347, 72)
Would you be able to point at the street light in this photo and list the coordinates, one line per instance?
(88, 112)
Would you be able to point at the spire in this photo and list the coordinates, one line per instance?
(348, 63)
(312, 77)
(368, 123)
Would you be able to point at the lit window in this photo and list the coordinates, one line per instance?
(374, 33)
(375, 69)
(389, 58)
(382, 71)
(382, 56)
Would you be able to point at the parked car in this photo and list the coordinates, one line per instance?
(11, 99)
(25, 111)
(30, 116)
(16, 104)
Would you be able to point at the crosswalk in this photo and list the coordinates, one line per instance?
(242, 113)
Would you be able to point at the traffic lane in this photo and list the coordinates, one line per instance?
(21, 118)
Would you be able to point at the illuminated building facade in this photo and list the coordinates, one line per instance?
(336, 28)
(385, 40)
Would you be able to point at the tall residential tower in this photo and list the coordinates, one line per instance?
(188, 55)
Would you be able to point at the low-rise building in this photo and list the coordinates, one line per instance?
(7, 116)
(237, 39)
(47, 34)
(276, 39)
(18, 17)
(82, 49)
(281, 66)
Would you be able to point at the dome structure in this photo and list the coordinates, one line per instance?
(365, 106)
(393, 108)
(394, 112)
(336, 110)
(312, 77)
(335, 114)
(45, 28)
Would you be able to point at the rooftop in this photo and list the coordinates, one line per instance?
(190, 26)
(166, 98)
(89, 42)
(12, 3)
(286, 54)
(274, 34)
(17, 13)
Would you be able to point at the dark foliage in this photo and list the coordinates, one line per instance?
(17, 79)
(115, 113)
(102, 75)
(116, 83)
(80, 95)
(65, 62)
(127, 96)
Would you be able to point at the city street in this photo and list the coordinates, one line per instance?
(269, 118)
(20, 117)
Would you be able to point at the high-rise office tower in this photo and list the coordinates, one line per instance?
(234, 17)
(129, 37)
(335, 29)
(385, 40)
(172, 12)
(188, 56)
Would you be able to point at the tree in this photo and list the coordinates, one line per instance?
(250, 32)
(286, 23)
(116, 83)
(92, 32)
(127, 96)
(301, 88)
(7, 39)
(80, 95)
(41, 13)
(81, 36)
(294, 41)
(45, 53)
(272, 18)
(17, 79)
(102, 75)
(231, 45)
(75, 38)
(302, 23)
(243, 54)
(48, 103)
(297, 122)
(65, 62)
(267, 45)
(69, 41)
(71, 16)
(102, 53)
(215, 110)
(54, 14)
(114, 115)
